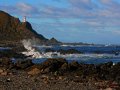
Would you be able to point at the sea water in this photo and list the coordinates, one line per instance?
(107, 54)
(92, 54)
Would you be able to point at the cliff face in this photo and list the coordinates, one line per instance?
(12, 30)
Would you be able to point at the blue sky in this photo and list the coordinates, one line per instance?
(91, 21)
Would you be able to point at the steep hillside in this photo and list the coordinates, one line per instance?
(12, 30)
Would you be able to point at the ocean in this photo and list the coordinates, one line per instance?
(94, 54)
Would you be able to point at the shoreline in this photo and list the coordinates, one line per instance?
(55, 74)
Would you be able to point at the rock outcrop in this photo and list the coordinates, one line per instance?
(12, 30)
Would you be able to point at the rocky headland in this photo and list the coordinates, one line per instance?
(12, 31)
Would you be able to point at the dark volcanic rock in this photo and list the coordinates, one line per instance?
(114, 72)
(69, 51)
(7, 53)
(103, 70)
(18, 48)
(49, 50)
(64, 67)
(74, 65)
(11, 53)
(6, 63)
(52, 65)
(23, 64)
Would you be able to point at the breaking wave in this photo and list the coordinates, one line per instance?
(38, 52)
(30, 50)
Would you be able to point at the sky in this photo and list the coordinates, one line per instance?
(89, 21)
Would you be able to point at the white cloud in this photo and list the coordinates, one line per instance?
(26, 9)
(90, 14)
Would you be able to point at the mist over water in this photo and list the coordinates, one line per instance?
(36, 51)
(30, 50)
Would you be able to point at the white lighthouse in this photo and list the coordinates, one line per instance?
(24, 19)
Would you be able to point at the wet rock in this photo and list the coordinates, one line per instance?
(18, 48)
(115, 72)
(69, 51)
(52, 65)
(49, 50)
(20, 64)
(74, 65)
(5, 53)
(107, 65)
(11, 53)
(64, 67)
(105, 70)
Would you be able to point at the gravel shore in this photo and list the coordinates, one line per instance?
(58, 74)
(23, 81)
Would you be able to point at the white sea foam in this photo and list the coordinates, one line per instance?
(31, 51)
(39, 53)
(85, 57)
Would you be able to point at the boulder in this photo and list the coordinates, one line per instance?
(23, 64)
(74, 65)
(52, 65)
(64, 67)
